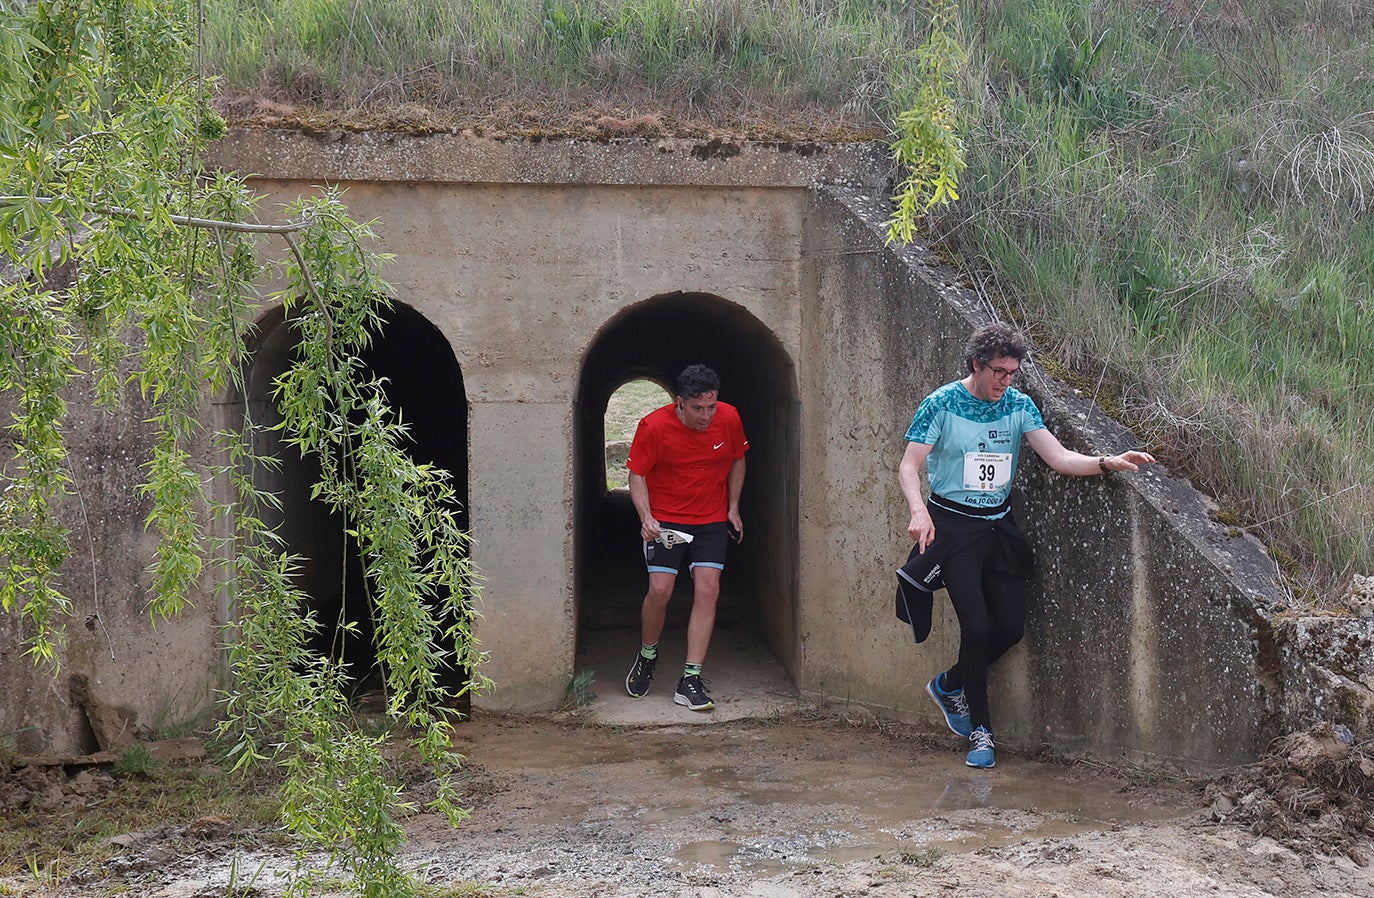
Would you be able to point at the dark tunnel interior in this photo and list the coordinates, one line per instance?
(655, 340)
(424, 385)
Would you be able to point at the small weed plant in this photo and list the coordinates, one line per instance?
(136, 760)
(926, 857)
(579, 692)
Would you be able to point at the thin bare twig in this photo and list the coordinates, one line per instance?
(1317, 501)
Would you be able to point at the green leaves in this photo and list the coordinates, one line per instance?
(36, 362)
(403, 519)
(928, 150)
(402, 515)
(121, 257)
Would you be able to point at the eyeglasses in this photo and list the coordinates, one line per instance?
(1004, 373)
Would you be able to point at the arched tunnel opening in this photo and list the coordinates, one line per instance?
(654, 340)
(424, 386)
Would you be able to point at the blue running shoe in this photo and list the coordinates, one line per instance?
(953, 706)
(981, 753)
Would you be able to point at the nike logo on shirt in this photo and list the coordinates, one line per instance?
(717, 445)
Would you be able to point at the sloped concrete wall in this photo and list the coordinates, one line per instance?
(1150, 631)
(878, 336)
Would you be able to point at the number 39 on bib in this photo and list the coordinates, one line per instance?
(986, 470)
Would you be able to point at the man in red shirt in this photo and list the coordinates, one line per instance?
(686, 473)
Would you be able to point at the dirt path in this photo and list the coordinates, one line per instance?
(811, 807)
(796, 805)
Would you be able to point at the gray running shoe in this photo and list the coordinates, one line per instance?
(692, 693)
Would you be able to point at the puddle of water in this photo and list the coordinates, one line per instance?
(504, 748)
(902, 797)
(858, 820)
(664, 815)
(708, 854)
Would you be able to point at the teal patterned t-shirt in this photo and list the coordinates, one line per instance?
(976, 443)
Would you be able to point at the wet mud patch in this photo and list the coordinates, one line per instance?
(750, 799)
(791, 805)
(804, 804)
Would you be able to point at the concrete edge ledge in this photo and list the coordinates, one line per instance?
(461, 158)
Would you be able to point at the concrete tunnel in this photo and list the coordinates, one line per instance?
(654, 340)
(424, 384)
(825, 336)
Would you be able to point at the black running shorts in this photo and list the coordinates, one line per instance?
(707, 548)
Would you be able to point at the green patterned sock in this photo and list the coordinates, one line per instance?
(691, 670)
(648, 651)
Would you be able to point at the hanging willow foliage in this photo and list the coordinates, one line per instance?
(928, 150)
(119, 253)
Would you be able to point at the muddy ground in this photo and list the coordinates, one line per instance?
(807, 804)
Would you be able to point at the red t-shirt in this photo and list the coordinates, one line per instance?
(687, 470)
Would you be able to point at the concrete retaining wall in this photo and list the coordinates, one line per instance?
(556, 272)
(122, 674)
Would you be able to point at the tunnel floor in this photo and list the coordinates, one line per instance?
(742, 674)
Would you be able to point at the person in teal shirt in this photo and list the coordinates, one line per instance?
(968, 434)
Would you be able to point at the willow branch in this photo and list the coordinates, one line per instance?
(187, 220)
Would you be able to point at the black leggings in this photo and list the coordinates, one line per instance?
(991, 607)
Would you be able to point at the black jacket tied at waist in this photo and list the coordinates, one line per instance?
(956, 526)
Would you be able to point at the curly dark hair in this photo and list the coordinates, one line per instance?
(995, 340)
(696, 380)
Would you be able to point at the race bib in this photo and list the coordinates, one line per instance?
(986, 470)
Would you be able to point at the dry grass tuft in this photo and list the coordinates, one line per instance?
(552, 118)
(1319, 161)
